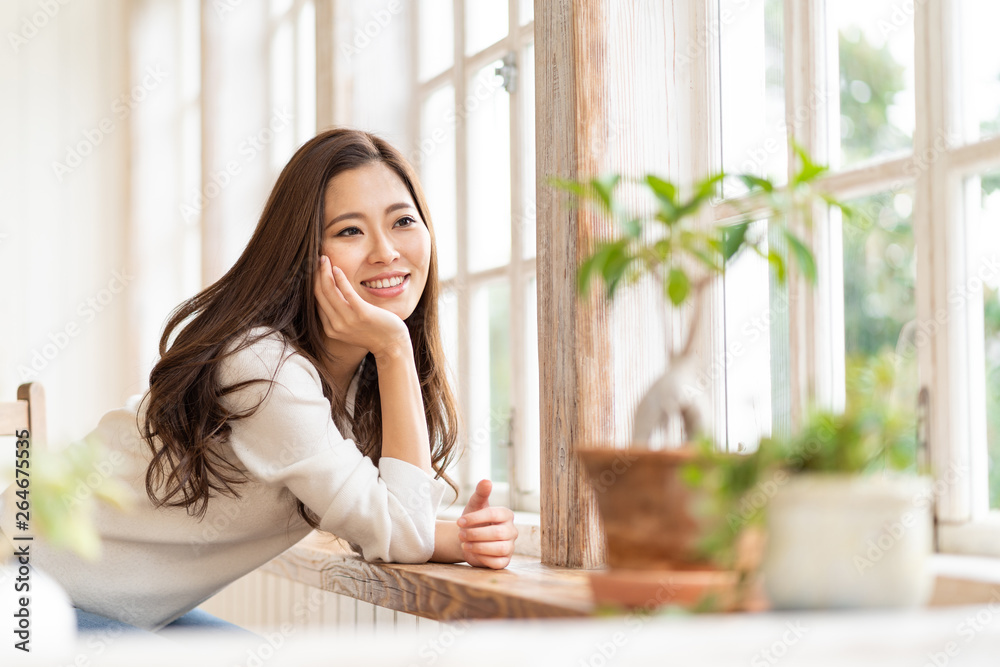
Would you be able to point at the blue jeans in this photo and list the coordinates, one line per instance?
(194, 620)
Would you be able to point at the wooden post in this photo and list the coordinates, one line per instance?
(574, 350)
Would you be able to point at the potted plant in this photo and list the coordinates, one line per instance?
(848, 524)
(646, 499)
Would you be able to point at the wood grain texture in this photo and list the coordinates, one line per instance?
(28, 411)
(13, 417)
(34, 394)
(574, 350)
(526, 589)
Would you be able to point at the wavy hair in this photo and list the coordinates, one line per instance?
(271, 286)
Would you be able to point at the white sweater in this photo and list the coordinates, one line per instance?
(159, 563)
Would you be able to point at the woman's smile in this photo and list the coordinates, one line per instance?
(387, 287)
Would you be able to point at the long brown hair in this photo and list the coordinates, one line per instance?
(271, 286)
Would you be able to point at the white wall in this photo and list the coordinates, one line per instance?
(64, 269)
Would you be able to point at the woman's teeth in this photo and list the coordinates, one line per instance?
(381, 284)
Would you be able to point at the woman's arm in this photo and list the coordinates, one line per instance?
(349, 318)
(404, 427)
(447, 548)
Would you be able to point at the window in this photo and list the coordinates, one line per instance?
(908, 125)
(475, 155)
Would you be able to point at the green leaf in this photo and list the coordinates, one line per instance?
(803, 256)
(609, 261)
(578, 188)
(809, 171)
(678, 286)
(594, 264)
(688, 209)
(756, 182)
(665, 191)
(633, 227)
(692, 474)
(708, 260)
(733, 237)
(778, 263)
(615, 270)
(849, 212)
(583, 275)
(662, 249)
(707, 187)
(604, 186)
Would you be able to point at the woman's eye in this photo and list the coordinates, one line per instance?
(349, 231)
(406, 221)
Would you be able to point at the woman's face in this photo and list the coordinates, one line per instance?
(373, 232)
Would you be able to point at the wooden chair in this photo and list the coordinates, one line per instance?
(28, 411)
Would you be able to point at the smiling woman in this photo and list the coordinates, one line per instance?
(305, 389)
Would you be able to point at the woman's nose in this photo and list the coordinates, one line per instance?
(383, 249)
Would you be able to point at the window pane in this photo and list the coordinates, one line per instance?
(879, 273)
(753, 88)
(486, 22)
(527, 11)
(987, 220)
(437, 38)
(749, 309)
(880, 312)
(875, 41)
(528, 210)
(488, 217)
(435, 160)
(489, 342)
(980, 67)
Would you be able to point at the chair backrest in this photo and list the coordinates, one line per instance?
(27, 412)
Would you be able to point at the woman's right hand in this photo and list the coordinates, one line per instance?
(348, 318)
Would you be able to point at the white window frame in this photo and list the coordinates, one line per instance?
(952, 364)
(474, 464)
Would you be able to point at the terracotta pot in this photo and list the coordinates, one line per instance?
(646, 508)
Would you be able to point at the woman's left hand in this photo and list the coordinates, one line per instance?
(486, 534)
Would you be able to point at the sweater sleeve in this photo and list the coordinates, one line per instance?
(291, 440)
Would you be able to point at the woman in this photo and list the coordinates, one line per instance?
(304, 389)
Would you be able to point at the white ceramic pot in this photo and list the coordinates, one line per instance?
(841, 541)
(50, 618)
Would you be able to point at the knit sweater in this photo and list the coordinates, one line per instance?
(159, 563)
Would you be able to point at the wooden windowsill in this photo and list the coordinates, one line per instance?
(526, 588)
(442, 592)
